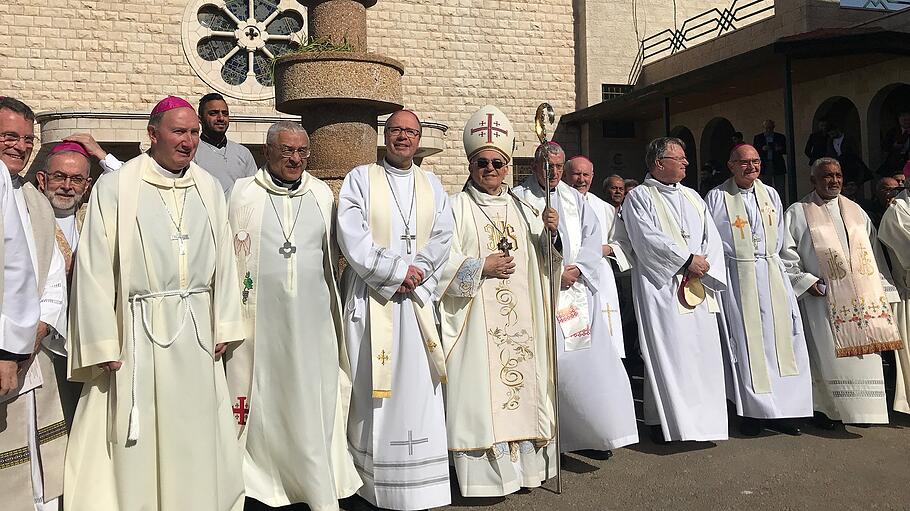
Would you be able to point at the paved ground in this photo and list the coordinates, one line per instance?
(849, 469)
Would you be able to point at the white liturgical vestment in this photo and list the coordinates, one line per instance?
(684, 378)
(290, 381)
(397, 439)
(781, 385)
(19, 305)
(155, 287)
(849, 389)
(596, 410)
(609, 294)
(894, 233)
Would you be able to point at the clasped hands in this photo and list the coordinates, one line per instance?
(699, 266)
(412, 279)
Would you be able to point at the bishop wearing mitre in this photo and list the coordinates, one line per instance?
(500, 416)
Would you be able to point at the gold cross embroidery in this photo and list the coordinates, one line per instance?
(610, 312)
(431, 345)
(739, 224)
(383, 357)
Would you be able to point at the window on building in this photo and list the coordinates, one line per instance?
(610, 90)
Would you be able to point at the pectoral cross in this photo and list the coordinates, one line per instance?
(181, 239)
(410, 442)
(505, 245)
(408, 237)
(287, 250)
(610, 312)
(684, 234)
(755, 240)
(739, 223)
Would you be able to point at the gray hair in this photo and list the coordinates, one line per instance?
(821, 163)
(630, 182)
(606, 182)
(272, 135)
(545, 150)
(657, 148)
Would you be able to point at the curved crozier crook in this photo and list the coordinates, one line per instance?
(544, 118)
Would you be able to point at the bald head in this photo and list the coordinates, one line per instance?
(744, 165)
(579, 172)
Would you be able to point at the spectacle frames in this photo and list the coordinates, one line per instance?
(288, 152)
(11, 139)
(60, 177)
(483, 162)
(398, 130)
(746, 163)
(678, 159)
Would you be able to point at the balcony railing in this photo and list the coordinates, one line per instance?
(698, 29)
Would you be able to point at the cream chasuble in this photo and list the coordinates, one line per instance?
(398, 441)
(290, 381)
(681, 349)
(499, 397)
(155, 288)
(894, 233)
(33, 437)
(767, 360)
(596, 408)
(849, 389)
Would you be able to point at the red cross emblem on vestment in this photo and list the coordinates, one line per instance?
(490, 127)
(241, 410)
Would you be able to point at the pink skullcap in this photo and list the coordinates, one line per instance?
(70, 146)
(170, 103)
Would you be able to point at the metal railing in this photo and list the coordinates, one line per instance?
(698, 29)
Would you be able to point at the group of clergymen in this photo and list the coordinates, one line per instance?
(220, 359)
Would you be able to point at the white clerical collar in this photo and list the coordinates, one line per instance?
(486, 199)
(818, 198)
(751, 189)
(167, 173)
(649, 180)
(395, 170)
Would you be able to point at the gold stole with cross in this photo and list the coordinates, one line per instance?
(745, 260)
(858, 310)
(380, 308)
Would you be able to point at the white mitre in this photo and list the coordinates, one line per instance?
(489, 128)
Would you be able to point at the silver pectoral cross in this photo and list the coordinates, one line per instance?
(755, 240)
(181, 240)
(408, 237)
(287, 250)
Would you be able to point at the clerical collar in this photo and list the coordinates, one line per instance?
(290, 185)
(167, 173)
(650, 180)
(65, 213)
(502, 189)
(212, 142)
(392, 169)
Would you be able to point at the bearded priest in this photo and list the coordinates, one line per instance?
(290, 380)
(155, 303)
(500, 391)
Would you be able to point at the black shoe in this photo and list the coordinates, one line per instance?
(750, 426)
(821, 421)
(862, 425)
(657, 435)
(785, 426)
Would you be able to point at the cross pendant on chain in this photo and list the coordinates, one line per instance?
(408, 237)
(181, 240)
(287, 250)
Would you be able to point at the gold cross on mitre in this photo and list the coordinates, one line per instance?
(739, 223)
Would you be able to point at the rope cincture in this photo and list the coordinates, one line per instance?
(140, 299)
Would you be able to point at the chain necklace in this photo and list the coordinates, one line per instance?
(504, 244)
(407, 236)
(179, 236)
(288, 248)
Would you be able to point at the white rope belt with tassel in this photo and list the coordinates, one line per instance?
(138, 301)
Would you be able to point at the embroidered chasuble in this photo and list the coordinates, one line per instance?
(596, 408)
(388, 219)
(894, 233)
(500, 392)
(681, 348)
(34, 435)
(155, 288)
(849, 388)
(290, 381)
(768, 364)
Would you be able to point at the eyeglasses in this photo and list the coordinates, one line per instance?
(483, 162)
(60, 177)
(289, 152)
(746, 163)
(11, 139)
(398, 130)
(678, 159)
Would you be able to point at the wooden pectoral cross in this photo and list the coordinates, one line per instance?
(408, 237)
(505, 245)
